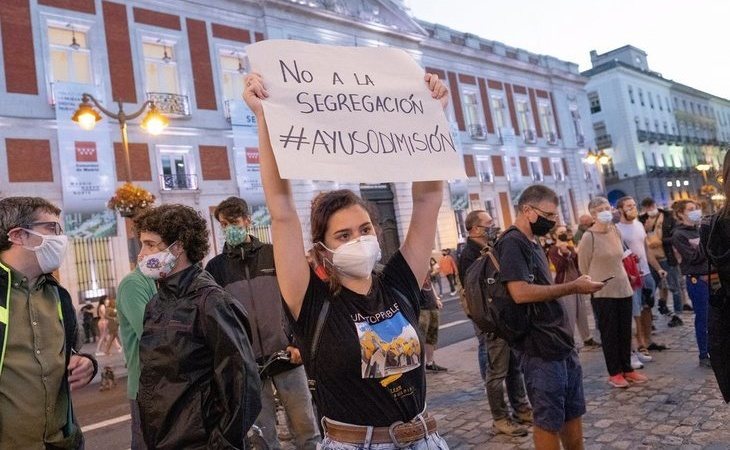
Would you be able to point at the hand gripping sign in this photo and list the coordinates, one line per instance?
(352, 114)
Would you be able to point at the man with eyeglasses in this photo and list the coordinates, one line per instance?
(546, 353)
(37, 318)
(496, 362)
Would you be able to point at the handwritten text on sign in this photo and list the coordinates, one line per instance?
(352, 114)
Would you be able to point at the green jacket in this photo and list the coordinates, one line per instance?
(66, 313)
(134, 292)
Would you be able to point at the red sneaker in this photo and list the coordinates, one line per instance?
(618, 381)
(635, 377)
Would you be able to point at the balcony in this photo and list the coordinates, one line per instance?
(604, 141)
(552, 138)
(580, 140)
(642, 135)
(661, 138)
(477, 131)
(652, 136)
(179, 182)
(530, 137)
(174, 105)
(486, 177)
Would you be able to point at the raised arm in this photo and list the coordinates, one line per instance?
(427, 197)
(286, 231)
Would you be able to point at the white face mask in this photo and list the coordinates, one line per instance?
(653, 212)
(50, 252)
(694, 215)
(356, 258)
(158, 265)
(604, 217)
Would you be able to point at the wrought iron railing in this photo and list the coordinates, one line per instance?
(604, 141)
(552, 138)
(529, 136)
(580, 140)
(174, 105)
(477, 131)
(180, 181)
(227, 110)
(642, 135)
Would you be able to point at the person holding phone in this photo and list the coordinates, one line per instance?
(599, 256)
(562, 255)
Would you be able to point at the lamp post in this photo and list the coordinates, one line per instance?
(154, 122)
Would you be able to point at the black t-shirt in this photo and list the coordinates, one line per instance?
(368, 369)
(524, 260)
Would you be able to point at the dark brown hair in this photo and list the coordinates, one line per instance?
(231, 209)
(622, 200)
(177, 223)
(20, 212)
(324, 206)
(681, 205)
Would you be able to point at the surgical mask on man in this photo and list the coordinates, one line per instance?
(694, 215)
(356, 258)
(604, 217)
(50, 251)
(158, 265)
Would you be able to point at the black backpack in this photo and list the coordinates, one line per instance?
(489, 304)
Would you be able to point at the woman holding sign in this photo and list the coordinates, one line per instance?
(357, 327)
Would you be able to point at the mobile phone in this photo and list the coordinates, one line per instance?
(607, 279)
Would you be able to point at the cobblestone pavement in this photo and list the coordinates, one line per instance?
(680, 407)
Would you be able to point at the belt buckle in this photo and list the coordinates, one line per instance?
(391, 433)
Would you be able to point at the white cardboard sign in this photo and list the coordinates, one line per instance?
(352, 114)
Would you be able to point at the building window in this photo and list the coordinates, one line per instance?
(595, 102)
(490, 209)
(535, 170)
(160, 63)
(641, 97)
(631, 95)
(498, 110)
(669, 107)
(70, 55)
(564, 210)
(558, 170)
(577, 125)
(484, 167)
(472, 115)
(547, 121)
(523, 115)
(656, 126)
(177, 168)
(233, 72)
(651, 99)
(647, 124)
(666, 128)
(659, 102)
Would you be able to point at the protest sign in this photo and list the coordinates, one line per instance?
(352, 114)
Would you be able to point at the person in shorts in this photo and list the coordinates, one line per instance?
(428, 322)
(547, 354)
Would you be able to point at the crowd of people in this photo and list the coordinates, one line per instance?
(341, 342)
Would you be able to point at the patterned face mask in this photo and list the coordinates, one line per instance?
(158, 265)
(235, 235)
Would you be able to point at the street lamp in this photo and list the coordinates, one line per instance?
(154, 122)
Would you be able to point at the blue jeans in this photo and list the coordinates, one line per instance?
(699, 292)
(293, 391)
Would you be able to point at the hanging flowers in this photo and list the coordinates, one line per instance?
(130, 199)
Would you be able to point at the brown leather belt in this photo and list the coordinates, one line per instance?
(401, 434)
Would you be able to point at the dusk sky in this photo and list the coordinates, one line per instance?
(685, 41)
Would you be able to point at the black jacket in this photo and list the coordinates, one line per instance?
(199, 387)
(247, 272)
(694, 261)
(471, 252)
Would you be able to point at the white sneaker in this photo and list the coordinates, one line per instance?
(635, 363)
(643, 357)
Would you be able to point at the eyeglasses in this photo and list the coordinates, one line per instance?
(51, 226)
(547, 215)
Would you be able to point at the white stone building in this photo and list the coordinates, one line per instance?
(521, 118)
(656, 130)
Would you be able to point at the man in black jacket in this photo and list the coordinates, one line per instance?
(37, 318)
(246, 270)
(199, 385)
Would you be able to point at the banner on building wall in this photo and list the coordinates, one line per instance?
(353, 114)
(86, 157)
(248, 174)
(90, 225)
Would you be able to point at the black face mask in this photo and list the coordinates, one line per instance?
(563, 237)
(491, 233)
(541, 226)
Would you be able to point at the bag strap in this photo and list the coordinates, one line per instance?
(318, 328)
(494, 259)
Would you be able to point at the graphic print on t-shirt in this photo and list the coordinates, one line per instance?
(388, 343)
